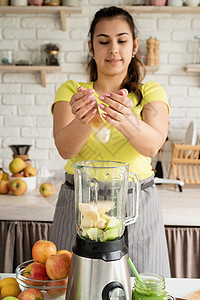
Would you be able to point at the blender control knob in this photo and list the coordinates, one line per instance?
(113, 291)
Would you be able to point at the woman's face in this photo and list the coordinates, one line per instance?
(113, 47)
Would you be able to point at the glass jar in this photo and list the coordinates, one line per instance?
(152, 287)
(197, 50)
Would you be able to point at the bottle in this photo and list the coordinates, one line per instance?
(150, 60)
(152, 287)
(156, 52)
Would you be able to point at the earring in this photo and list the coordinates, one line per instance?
(93, 58)
(133, 56)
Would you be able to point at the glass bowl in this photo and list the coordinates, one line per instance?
(51, 289)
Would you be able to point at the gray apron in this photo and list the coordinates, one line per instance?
(145, 239)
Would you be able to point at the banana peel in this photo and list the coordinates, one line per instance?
(4, 182)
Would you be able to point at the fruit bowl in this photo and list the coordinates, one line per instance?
(30, 181)
(51, 289)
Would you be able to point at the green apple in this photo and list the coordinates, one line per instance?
(110, 234)
(47, 189)
(10, 298)
(95, 234)
(113, 223)
(17, 165)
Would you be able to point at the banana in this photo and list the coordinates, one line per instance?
(5, 176)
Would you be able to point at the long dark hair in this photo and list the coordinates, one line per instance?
(136, 69)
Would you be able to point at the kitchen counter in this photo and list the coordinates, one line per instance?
(179, 209)
(29, 207)
(179, 287)
(28, 218)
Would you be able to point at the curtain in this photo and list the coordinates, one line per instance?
(184, 251)
(18, 238)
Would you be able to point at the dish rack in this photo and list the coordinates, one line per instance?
(185, 163)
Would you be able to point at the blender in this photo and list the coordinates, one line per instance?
(99, 269)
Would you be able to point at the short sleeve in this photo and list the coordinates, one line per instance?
(153, 91)
(65, 92)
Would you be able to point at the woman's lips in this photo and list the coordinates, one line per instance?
(113, 61)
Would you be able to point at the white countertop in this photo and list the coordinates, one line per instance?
(182, 209)
(29, 207)
(179, 287)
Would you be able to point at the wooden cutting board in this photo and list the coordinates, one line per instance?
(193, 296)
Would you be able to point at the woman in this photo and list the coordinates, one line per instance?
(136, 115)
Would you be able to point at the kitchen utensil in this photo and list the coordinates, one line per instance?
(195, 295)
(191, 134)
(99, 267)
(51, 289)
(134, 269)
(20, 149)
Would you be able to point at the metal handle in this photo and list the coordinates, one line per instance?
(136, 199)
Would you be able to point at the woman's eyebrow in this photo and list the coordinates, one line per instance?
(106, 35)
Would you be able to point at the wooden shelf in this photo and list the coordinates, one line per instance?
(61, 10)
(163, 9)
(192, 68)
(42, 69)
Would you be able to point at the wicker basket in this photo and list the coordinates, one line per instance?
(4, 2)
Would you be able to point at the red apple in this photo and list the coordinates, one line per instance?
(31, 294)
(58, 266)
(36, 271)
(42, 249)
(18, 187)
(47, 189)
(64, 251)
(57, 292)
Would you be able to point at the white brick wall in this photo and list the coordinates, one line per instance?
(25, 116)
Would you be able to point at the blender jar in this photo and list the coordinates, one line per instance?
(101, 189)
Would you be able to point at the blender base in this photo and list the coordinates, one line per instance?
(97, 279)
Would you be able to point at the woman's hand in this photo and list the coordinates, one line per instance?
(119, 107)
(139, 133)
(83, 104)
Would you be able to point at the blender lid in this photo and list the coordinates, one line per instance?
(20, 149)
